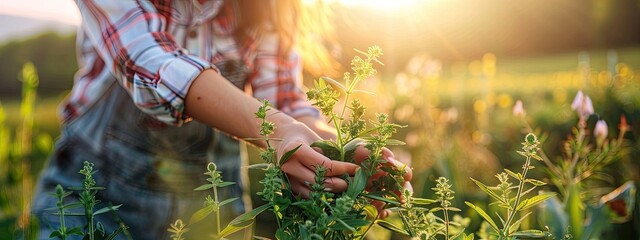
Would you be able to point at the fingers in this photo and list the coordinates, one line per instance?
(310, 158)
(408, 173)
(382, 213)
(302, 184)
(300, 169)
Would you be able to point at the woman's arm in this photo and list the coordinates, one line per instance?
(217, 103)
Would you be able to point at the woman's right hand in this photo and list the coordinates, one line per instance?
(300, 168)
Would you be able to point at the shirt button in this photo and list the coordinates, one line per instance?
(193, 34)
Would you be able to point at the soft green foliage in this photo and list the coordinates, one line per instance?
(63, 232)
(211, 205)
(327, 215)
(17, 153)
(513, 206)
(580, 175)
(178, 229)
(88, 202)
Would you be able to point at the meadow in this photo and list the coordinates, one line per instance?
(463, 122)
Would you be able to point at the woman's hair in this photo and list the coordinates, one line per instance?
(303, 26)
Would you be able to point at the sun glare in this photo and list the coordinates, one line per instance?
(382, 4)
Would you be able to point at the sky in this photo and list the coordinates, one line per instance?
(64, 11)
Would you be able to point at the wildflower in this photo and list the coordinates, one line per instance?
(583, 106)
(601, 130)
(518, 109)
(623, 126)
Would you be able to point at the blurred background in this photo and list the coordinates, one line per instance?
(453, 72)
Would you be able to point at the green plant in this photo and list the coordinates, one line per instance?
(587, 203)
(347, 215)
(19, 146)
(87, 201)
(512, 204)
(213, 205)
(63, 232)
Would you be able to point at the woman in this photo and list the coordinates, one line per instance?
(147, 69)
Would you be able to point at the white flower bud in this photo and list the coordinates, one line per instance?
(601, 130)
(518, 109)
(583, 105)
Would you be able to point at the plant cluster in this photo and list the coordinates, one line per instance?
(88, 202)
(327, 215)
(587, 202)
(513, 204)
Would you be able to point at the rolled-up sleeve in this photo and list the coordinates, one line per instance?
(278, 78)
(130, 37)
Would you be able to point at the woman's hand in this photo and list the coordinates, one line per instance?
(362, 153)
(300, 168)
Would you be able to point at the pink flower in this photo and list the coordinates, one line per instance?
(518, 109)
(601, 130)
(583, 106)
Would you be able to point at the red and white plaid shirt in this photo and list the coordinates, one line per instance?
(155, 49)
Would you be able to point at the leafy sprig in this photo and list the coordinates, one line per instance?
(502, 194)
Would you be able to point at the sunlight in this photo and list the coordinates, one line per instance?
(382, 4)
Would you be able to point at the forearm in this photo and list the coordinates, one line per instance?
(214, 101)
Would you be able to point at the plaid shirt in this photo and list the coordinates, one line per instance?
(155, 49)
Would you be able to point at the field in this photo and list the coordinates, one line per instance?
(461, 124)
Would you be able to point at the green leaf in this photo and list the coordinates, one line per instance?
(487, 190)
(381, 198)
(342, 226)
(115, 233)
(285, 157)
(57, 233)
(229, 229)
(422, 201)
(435, 209)
(484, 215)
(227, 201)
(224, 184)
(328, 148)
(535, 200)
(458, 234)
(516, 225)
(531, 234)
(360, 51)
(334, 82)
(575, 210)
(363, 91)
(357, 185)
(73, 205)
(204, 187)
(371, 210)
(536, 182)
(454, 209)
(391, 227)
(258, 166)
(243, 220)
(106, 209)
(76, 231)
(468, 237)
(394, 142)
(201, 214)
(251, 214)
(552, 213)
(517, 176)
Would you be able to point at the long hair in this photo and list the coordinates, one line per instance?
(301, 26)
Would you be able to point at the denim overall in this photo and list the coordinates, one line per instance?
(149, 167)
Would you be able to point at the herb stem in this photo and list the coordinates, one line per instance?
(446, 222)
(215, 195)
(513, 211)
